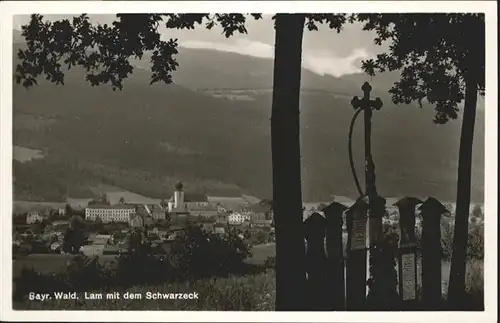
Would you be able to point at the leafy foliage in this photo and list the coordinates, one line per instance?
(102, 200)
(199, 254)
(475, 243)
(74, 236)
(435, 54)
(73, 240)
(477, 212)
(334, 21)
(104, 50)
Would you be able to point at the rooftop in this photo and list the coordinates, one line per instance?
(40, 208)
(259, 208)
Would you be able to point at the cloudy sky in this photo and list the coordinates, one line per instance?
(324, 51)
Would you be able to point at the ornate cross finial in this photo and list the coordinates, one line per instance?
(366, 88)
(366, 102)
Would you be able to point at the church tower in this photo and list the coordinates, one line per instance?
(178, 196)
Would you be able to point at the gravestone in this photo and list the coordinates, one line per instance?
(335, 273)
(432, 210)
(382, 283)
(316, 262)
(407, 256)
(356, 255)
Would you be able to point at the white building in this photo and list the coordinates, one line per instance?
(37, 213)
(236, 218)
(109, 213)
(33, 217)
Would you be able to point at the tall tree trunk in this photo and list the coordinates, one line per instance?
(456, 286)
(285, 145)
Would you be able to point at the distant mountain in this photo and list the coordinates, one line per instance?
(211, 130)
(201, 69)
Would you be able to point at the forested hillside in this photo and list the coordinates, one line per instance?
(145, 138)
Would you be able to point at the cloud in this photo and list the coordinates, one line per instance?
(239, 46)
(327, 63)
(318, 61)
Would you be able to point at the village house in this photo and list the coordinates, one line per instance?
(162, 234)
(260, 211)
(237, 218)
(175, 231)
(145, 213)
(92, 250)
(147, 221)
(37, 214)
(60, 223)
(208, 227)
(56, 246)
(33, 217)
(221, 218)
(99, 239)
(260, 223)
(136, 221)
(205, 210)
(221, 208)
(157, 212)
(219, 228)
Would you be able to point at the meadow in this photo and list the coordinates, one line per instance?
(56, 263)
(235, 293)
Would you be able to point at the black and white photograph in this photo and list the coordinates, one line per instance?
(249, 157)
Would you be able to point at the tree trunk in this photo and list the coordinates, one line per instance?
(456, 286)
(285, 145)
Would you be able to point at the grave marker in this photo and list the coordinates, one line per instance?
(407, 258)
(432, 210)
(356, 255)
(316, 261)
(334, 247)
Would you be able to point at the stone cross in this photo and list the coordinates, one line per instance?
(367, 105)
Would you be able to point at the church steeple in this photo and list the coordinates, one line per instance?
(178, 195)
(179, 186)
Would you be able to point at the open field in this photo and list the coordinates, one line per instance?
(261, 252)
(23, 154)
(49, 263)
(55, 263)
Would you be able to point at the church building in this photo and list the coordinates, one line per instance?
(190, 203)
